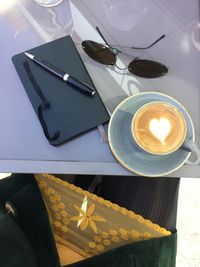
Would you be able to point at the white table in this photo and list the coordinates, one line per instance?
(24, 25)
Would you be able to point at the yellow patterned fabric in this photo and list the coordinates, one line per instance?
(88, 224)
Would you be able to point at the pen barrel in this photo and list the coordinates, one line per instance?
(49, 67)
(83, 87)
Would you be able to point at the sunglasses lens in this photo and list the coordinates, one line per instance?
(99, 52)
(147, 68)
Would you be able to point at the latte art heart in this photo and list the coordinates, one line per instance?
(160, 128)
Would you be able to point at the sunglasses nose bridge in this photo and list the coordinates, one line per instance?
(114, 51)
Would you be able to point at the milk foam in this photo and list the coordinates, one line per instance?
(159, 128)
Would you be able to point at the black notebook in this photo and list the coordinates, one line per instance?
(63, 111)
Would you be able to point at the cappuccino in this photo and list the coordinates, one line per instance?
(159, 128)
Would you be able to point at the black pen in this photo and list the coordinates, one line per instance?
(61, 74)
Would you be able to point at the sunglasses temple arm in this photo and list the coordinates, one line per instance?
(133, 47)
(160, 38)
(103, 37)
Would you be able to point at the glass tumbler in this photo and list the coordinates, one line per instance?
(48, 3)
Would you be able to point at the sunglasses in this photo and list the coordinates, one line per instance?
(107, 55)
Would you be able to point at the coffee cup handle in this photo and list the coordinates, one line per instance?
(191, 146)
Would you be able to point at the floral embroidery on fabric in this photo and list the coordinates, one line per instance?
(85, 218)
(104, 240)
(58, 215)
(89, 224)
